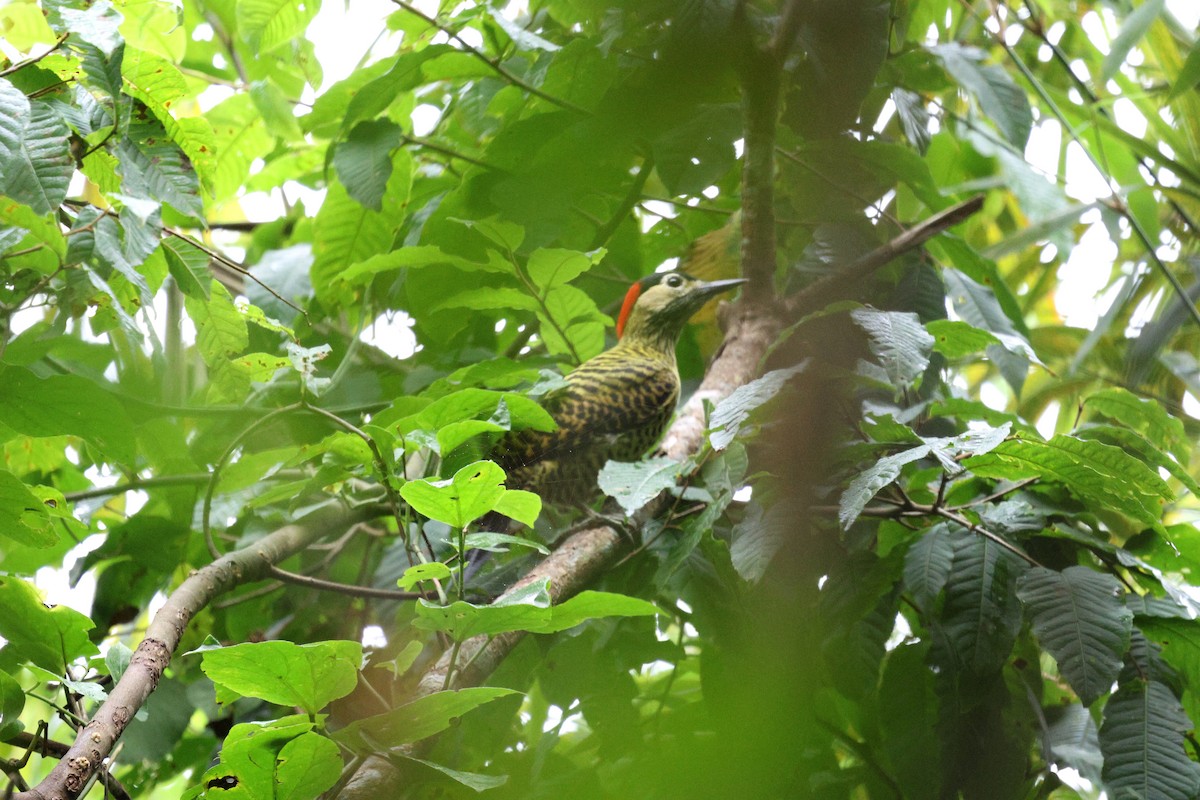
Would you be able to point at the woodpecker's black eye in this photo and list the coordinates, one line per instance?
(674, 281)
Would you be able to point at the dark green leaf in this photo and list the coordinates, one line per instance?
(998, 95)
(1080, 618)
(1142, 742)
(51, 407)
(364, 161)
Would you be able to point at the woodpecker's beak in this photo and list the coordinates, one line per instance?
(712, 288)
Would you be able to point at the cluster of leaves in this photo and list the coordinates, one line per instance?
(1004, 605)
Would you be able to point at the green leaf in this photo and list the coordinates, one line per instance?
(12, 702)
(956, 339)
(1147, 417)
(868, 483)
(1136, 445)
(1104, 476)
(1189, 74)
(35, 159)
(595, 605)
(250, 753)
(914, 118)
(417, 720)
(1074, 740)
(1142, 738)
(908, 720)
(23, 517)
(364, 161)
(571, 324)
(158, 169)
(472, 780)
(729, 415)
(417, 258)
(495, 543)
(309, 676)
(98, 25)
(524, 507)
(267, 24)
(475, 490)
(240, 137)
(1080, 618)
(999, 97)
(899, 342)
(432, 571)
(927, 566)
(1135, 27)
(306, 766)
(220, 330)
(526, 609)
(52, 407)
(980, 618)
(48, 637)
(505, 234)
(635, 484)
(548, 268)
(189, 267)
(345, 233)
(758, 537)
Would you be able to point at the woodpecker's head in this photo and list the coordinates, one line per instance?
(659, 305)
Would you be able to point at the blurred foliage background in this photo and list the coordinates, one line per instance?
(943, 549)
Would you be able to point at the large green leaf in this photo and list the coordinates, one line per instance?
(1143, 745)
(364, 161)
(49, 637)
(1104, 475)
(65, 404)
(927, 566)
(868, 483)
(998, 95)
(981, 616)
(35, 160)
(309, 676)
(267, 24)
(475, 490)
(1080, 618)
(633, 485)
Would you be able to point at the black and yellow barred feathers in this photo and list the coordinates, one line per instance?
(615, 405)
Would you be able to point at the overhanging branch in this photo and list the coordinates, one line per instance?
(95, 740)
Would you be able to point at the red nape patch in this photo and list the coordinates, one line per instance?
(630, 298)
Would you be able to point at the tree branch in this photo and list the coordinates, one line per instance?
(830, 288)
(96, 739)
(494, 63)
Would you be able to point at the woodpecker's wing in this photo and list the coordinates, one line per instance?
(609, 398)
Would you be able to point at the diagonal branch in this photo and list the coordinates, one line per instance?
(494, 63)
(834, 286)
(96, 739)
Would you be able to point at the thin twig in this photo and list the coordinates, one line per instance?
(236, 267)
(346, 588)
(826, 289)
(494, 63)
(35, 59)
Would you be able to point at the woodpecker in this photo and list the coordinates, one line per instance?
(617, 404)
